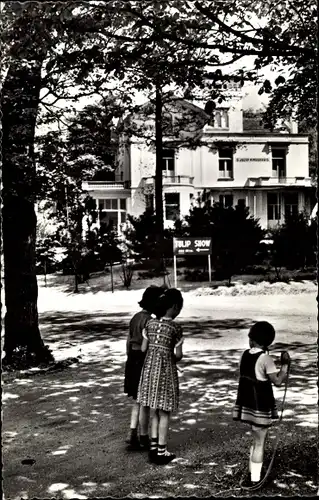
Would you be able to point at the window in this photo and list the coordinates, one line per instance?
(172, 210)
(273, 206)
(278, 162)
(226, 200)
(112, 213)
(241, 202)
(225, 163)
(220, 119)
(291, 204)
(108, 204)
(149, 201)
(168, 161)
(109, 220)
(225, 120)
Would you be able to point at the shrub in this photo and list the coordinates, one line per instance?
(195, 275)
(127, 274)
(295, 243)
(142, 237)
(236, 236)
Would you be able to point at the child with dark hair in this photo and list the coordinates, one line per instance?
(134, 365)
(158, 387)
(255, 402)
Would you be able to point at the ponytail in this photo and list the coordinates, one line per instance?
(168, 299)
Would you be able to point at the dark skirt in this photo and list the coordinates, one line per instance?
(255, 403)
(133, 370)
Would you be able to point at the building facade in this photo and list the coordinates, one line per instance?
(232, 160)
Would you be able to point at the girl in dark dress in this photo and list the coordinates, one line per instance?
(255, 402)
(134, 365)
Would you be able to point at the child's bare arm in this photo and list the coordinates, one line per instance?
(144, 345)
(278, 378)
(179, 353)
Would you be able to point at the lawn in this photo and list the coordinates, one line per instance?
(72, 421)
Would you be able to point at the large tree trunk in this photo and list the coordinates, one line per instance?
(159, 179)
(20, 102)
(159, 155)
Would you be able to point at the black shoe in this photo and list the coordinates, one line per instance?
(165, 459)
(144, 443)
(131, 437)
(134, 445)
(152, 455)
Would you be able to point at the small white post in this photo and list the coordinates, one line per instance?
(209, 269)
(175, 272)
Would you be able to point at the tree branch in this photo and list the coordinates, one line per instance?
(245, 38)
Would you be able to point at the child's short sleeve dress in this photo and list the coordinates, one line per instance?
(255, 403)
(158, 386)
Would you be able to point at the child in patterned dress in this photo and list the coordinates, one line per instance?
(255, 402)
(134, 365)
(158, 387)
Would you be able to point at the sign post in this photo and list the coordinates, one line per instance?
(175, 272)
(112, 282)
(209, 269)
(192, 246)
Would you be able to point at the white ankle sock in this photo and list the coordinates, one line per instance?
(255, 471)
(250, 455)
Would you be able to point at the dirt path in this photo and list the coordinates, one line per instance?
(73, 423)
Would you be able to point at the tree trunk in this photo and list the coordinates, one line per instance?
(159, 178)
(20, 102)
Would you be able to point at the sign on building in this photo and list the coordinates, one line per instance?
(192, 246)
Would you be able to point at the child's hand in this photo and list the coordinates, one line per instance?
(285, 358)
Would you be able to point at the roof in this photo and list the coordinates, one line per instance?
(252, 122)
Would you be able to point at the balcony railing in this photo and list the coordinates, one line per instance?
(172, 179)
(279, 181)
(102, 185)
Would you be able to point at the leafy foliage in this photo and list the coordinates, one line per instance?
(295, 243)
(141, 237)
(127, 274)
(235, 235)
(92, 141)
(85, 151)
(277, 34)
(109, 247)
(313, 149)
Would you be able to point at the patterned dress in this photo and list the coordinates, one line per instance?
(255, 402)
(158, 386)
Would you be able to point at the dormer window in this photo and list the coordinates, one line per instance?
(220, 119)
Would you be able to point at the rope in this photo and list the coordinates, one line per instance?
(262, 482)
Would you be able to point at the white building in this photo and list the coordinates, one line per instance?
(235, 161)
